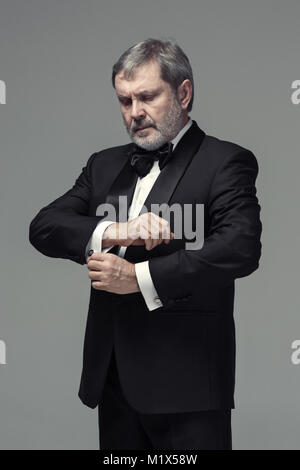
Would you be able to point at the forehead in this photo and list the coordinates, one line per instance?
(146, 77)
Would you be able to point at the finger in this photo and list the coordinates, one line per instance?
(154, 235)
(95, 275)
(99, 256)
(155, 230)
(88, 259)
(166, 230)
(150, 232)
(152, 223)
(169, 238)
(98, 285)
(94, 265)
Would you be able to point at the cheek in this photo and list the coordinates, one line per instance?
(158, 110)
(153, 113)
(126, 116)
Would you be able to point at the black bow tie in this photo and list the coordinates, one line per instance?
(142, 160)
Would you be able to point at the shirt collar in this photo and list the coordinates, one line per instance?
(181, 132)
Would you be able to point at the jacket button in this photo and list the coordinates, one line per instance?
(90, 252)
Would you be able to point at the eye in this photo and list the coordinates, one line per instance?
(148, 98)
(125, 102)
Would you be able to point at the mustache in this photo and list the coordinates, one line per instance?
(141, 125)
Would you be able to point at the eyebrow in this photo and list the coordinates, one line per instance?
(143, 92)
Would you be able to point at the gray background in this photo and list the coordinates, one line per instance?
(56, 59)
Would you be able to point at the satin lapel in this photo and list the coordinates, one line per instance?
(170, 175)
(123, 185)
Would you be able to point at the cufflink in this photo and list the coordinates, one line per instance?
(90, 252)
(157, 299)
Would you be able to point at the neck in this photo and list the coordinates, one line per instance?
(184, 120)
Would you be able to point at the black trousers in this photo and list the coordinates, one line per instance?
(122, 427)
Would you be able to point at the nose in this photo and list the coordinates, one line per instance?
(137, 111)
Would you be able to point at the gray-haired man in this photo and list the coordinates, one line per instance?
(159, 350)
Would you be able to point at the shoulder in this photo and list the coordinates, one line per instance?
(116, 150)
(223, 148)
(221, 152)
(109, 155)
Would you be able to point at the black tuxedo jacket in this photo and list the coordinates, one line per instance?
(179, 357)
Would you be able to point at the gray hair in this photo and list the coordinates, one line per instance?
(173, 62)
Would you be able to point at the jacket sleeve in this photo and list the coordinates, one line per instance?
(62, 228)
(232, 247)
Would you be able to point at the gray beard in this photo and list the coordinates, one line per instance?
(170, 127)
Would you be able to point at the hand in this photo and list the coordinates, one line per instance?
(112, 273)
(147, 229)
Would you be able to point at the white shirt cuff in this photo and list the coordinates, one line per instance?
(146, 285)
(95, 242)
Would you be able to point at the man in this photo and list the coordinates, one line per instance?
(159, 348)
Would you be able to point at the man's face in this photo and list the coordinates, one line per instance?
(148, 102)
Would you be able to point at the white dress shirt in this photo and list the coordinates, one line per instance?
(142, 189)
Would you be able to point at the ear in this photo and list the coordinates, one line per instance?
(184, 93)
